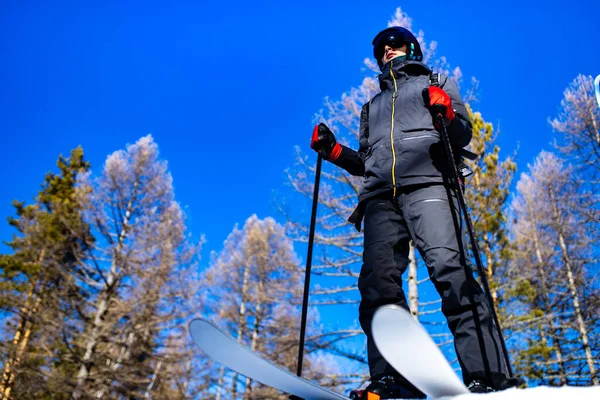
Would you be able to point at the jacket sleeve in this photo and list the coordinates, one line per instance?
(460, 130)
(351, 160)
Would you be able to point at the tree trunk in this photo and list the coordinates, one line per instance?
(489, 268)
(241, 322)
(21, 337)
(147, 395)
(220, 382)
(255, 333)
(103, 301)
(413, 291)
(547, 303)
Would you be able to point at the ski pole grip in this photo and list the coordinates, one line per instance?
(439, 116)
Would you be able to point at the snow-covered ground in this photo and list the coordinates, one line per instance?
(536, 393)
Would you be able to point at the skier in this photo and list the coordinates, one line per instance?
(405, 195)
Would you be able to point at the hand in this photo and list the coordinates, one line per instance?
(323, 142)
(439, 103)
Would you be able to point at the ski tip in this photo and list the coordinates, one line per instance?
(198, 325)
(597, 89)
(194, 324)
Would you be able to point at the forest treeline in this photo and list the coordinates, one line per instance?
(102, 275)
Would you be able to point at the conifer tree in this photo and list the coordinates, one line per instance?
(486, 193)
(38, 289)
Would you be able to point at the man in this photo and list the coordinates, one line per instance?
(405, 195)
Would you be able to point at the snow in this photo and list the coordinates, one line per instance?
(536, 393)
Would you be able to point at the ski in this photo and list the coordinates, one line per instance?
(227, 351)
(400, 339)
(407, 346)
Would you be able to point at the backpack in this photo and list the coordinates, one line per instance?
(463, 168)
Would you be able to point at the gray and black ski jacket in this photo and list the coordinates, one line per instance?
(398, 143)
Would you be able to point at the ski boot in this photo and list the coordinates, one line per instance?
(499, 382)
(477, 386)
(388, 387)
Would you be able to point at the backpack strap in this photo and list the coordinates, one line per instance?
(364, 117)
(434, 79)
(464, 169)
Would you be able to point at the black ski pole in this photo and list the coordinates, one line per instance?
(311, 238)
(474, 246)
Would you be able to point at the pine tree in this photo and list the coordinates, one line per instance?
(487, 192)
(37, 285)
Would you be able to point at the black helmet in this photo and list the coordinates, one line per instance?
(395, 37)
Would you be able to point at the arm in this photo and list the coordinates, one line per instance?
(351, 160)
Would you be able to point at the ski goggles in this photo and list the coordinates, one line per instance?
(393, 39)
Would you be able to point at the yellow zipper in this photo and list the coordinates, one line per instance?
(392, 130)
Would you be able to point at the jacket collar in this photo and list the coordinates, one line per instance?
(403, 70)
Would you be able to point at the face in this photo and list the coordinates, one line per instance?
(390, 53)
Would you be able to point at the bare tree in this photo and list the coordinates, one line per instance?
(255, 291)
(555, 265)
(137, 298)
(533, 284)
(579, 125)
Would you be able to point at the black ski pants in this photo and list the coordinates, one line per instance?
(424, 215)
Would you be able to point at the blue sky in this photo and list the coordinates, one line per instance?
(228, 89)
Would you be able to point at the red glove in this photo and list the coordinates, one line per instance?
(440, 103)
(323, 142)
